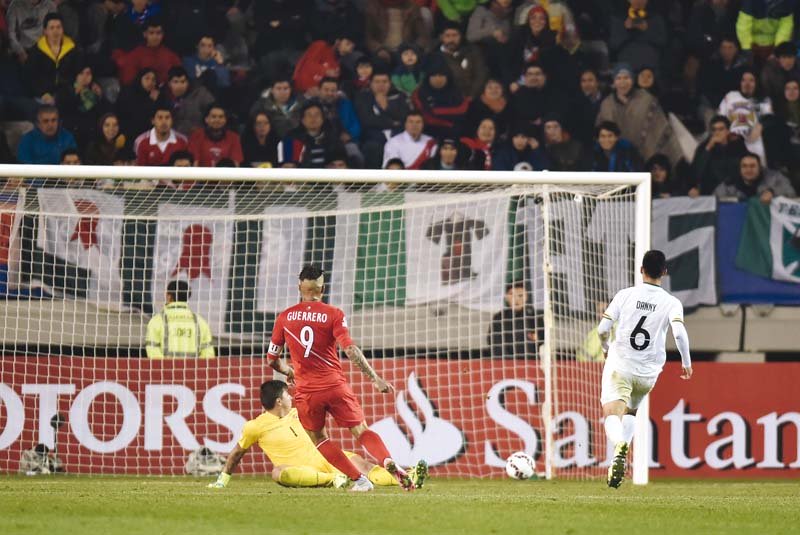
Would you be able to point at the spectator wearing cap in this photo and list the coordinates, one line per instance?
(746, 110)
(45, 143)
(136, 102)
(25, 19)
(451, 156)
(440, 101)
(491, 103)
(464, 61)
(311, 143)
(408, 74)
(490, 27)
(152, 54)
(639, 117)
(189, 101)
(560, 18)
(215, 142)
(532, 42)
(521, 152)
(663, 184)
(611, 153)
(154, 147)
(638, 35)
(535, 97)
(753, 180)
(764, 24)
(716, 159)
(53, 62)
(778, 70)
(381, 114)
(321, 60)
(390, 23)
(564, 153)
(411, 145)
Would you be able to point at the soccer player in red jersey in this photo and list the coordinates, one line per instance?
(312, 329)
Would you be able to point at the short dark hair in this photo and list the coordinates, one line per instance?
(176, 72)
(226, 162)
(270, 391)
(516, 284)
(214, 106)
(786, 49)
(719, 119)
(72, 151)
(180, 155)
(310, 272)
(394, 161)
(609, 126)
(179, 290)
(329, 80)
(152, 22)
(46, 108)
(751, 155)
(161, 105)
(654, 264)
(52, 16)
(413, 113)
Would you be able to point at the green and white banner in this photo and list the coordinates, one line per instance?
(770, 240)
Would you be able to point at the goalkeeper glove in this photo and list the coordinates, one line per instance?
(221, 482)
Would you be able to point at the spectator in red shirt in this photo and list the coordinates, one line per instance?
(215, 142)
(319, 61)
(156, 146)
(152, 54)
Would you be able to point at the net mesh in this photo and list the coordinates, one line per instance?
(451, 290)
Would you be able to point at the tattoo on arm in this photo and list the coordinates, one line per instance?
(357, 357)
(234, 459)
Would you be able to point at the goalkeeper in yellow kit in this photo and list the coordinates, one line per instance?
(297, 463)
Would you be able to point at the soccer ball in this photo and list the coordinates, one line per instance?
(520, 465)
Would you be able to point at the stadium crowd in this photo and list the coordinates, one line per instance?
(703, 94)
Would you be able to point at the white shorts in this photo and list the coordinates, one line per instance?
(623, 386)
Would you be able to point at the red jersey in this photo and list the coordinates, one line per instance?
(208, 153)
(312, 329)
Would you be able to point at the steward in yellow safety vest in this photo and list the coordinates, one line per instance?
(176, 331)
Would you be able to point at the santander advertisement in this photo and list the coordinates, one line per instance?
(463, 416)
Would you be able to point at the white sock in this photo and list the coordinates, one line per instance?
(614, 429)
(628, 426)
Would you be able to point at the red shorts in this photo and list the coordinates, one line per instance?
(339, 402)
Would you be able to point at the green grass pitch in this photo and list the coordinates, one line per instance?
(125, 505)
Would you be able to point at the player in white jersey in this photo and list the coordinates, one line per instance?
(637, 355)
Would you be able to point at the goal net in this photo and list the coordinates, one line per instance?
(477, 295)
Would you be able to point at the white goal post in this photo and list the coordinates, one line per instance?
(425, 264)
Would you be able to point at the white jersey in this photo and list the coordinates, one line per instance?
(642, 314)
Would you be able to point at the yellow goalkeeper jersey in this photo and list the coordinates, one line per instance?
(284, 441)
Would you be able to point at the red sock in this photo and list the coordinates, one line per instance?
(372, 442)
(338, 459)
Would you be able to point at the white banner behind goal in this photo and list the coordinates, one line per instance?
(476, 294)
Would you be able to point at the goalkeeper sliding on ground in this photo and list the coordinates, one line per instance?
(296, 461)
